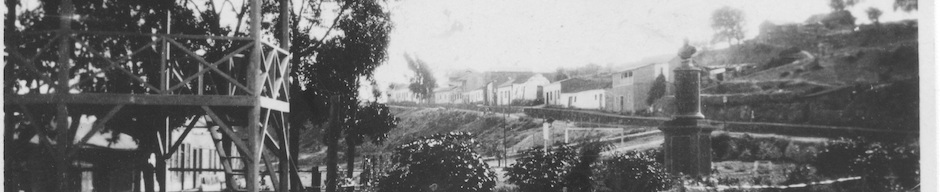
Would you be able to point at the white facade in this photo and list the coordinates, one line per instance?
(504, 95)
(473, 97)
(589, 99)
(447, 96)
(552, 94)
(529, 90)
(402, 95)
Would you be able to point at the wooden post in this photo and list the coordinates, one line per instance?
(287, 182)
(254, 114)
(63, 172)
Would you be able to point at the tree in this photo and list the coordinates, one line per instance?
(140, 122)
(372, 121)
(728, 24)
(560, 74)
(658, 90)
(329, 68)
(873, 14)
(441, 162)
(839, 5)
(905, 5)
(423, 81)
(580, 178)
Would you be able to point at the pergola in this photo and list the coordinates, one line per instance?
(259, 95)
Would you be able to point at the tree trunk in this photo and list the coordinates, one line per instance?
(330, 139)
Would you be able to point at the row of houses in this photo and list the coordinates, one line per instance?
(625, 91)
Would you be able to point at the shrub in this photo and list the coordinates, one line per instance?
(538, 171)
(767, 150)
(725, 147)
(633, 171)
(885, 166)
(579, 178)
(838, 157)
(799, 154)
(445, 162)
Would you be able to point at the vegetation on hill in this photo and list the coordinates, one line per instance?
(489, 129)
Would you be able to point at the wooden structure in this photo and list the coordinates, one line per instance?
(255, 99)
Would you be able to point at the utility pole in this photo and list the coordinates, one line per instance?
(547, 134)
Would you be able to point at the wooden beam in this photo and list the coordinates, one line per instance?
(99, 125)
(275, 104)
(132, 99)
(113, 64)
(274, 178)
(212, 66)
(179, 141)
(239, 143)
(181, 36)
(227, 57)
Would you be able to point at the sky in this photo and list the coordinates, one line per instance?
(543, 35)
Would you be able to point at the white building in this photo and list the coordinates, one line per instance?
(577, 93)
(530, 88)
(587, 99)
(504, 93)
(400, 93)
(474, 96)
(552, 93)
(447, 95)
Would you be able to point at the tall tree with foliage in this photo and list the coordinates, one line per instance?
(658, 90)
(581, 176)
(89, 52)
(333, 66)
(905, 5)
(373, 121)
(839, 5)
(873, 14)
(728, 24)
(423, 81)
(560, 74)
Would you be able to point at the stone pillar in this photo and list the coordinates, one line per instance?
(687, 144)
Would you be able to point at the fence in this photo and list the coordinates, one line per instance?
(732, 126)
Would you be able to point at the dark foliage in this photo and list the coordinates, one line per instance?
(423, 81)
(885, 166)
(580, 178)
(658, 90)
(538, 170)
(633, 171)
(728, 24)
(442, 162)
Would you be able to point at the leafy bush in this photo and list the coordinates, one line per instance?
(539, 171)
(725, 147)
(767, 150)
(441, 162)
(633, 171)
(579, 178)
(747, 148)
(838, 157)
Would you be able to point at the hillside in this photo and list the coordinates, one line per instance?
(863, 78)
